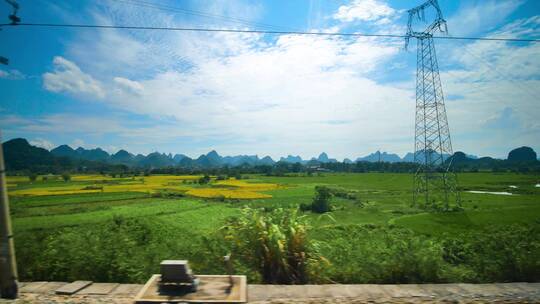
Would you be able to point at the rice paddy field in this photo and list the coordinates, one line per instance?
(118, 229)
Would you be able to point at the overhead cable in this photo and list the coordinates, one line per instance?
(240, 31)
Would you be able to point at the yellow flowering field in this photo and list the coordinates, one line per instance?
(17, 179)
(93, 177)
(152, 179)
(232, 188)
(227, 193)
(248, 186)
(38, 191)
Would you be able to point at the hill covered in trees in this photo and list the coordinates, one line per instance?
(20, 156)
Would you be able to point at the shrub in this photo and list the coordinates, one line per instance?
(93, 187)
(204, 180)
(221, 198)
(66, 177)
(343, 193)
(274, 243)
(304, 207)
(32, 177)
(358, 202)
(321, 202)
(168, 194)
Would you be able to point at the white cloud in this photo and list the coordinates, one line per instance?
(270, 93)
(69, 123)
(481, 16)
(498, 87)
(68, 77)
(42, 143)
(365, 10)
(290, 94)
(130, 86)
(287, 90)
(12, 75)
(502, 119)
(114, 52)
(77, 142)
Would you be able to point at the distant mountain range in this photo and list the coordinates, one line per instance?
(20, 154)
(211, 159)
(158, 160)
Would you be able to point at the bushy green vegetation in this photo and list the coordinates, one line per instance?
(32, 177)
(66, 177)
(118, 250)
(321, 202)
(204, 180)
(276, 244)
(390, 254)
(371, 235)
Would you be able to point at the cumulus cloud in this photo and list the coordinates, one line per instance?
(246, 91)
(286, 94)
(365, 10)
(283, 92)
(68, 77)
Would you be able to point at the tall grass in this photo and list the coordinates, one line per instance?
(276, 244)
(277, 247)
(388, 254)
(381, 255)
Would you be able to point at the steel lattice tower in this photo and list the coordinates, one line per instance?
(435, 183)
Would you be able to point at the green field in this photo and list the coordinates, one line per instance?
(121, 231)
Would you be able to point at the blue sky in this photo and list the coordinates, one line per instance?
(185, 92)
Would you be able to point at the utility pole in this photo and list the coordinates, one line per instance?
(8, 264)
(435, 183)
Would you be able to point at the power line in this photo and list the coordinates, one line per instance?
(188, 29)
(200, 14)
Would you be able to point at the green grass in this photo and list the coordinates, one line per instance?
(64, 204)
(181, 227)
(146, 208)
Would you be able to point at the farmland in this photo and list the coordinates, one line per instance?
(118, 228)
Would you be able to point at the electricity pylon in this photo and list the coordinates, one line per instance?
(435, 183)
